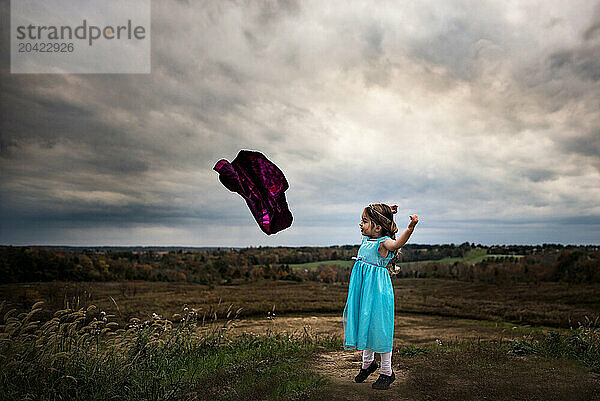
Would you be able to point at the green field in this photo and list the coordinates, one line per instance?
(471, 257)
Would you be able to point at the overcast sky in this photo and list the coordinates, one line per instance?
(482, 117)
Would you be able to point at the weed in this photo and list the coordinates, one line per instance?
(412, 351)
(581, 343)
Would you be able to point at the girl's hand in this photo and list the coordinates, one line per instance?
(394, 245)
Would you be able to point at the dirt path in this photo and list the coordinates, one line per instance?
(408, 329)
(509, 378)
(341, 367)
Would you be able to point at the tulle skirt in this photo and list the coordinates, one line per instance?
(369, 312)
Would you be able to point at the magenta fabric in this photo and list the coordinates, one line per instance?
(262, 184)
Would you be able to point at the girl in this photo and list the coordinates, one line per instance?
(369, 311)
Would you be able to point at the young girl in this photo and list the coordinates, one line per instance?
(369, 311)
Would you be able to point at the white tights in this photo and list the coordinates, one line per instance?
(386, 361)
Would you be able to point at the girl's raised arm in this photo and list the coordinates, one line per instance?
(394, 245)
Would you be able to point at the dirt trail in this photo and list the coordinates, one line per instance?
(340, 367)
(408, 329)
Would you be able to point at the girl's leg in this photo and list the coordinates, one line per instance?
(386, 363)
(368, 357)
(368, 366)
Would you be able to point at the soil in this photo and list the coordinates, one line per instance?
(408, 329)
(454, 376)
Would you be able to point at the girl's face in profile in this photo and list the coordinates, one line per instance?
(367, 227)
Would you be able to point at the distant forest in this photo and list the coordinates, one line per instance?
(548, 262)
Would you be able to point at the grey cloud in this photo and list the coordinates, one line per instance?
(119, 165)
(76, 214)
(592, 31)
(453, 41)
(593, 220)
(272, 11)
(227, 76)
(583, 62)
(234, 74)
(62, 122)
(373, 37)
(560, 59)
(574, 68)
(588, 145)
(538, 175)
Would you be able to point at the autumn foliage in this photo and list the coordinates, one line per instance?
(518, 263)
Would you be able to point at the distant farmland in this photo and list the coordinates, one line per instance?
(471, 257)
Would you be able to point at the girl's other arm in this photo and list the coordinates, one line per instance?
(394, 245)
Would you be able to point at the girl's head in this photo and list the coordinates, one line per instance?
(378, 221)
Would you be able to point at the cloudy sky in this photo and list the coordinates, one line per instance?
(482, 117)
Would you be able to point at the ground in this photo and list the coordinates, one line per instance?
(341, 367)
(413, 329)
(471, 314)
(472, 373)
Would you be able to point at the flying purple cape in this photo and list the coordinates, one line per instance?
(262, 185)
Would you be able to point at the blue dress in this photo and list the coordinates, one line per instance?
(369, 311)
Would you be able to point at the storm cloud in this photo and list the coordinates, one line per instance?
(480, 116)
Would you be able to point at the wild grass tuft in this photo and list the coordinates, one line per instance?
(581, 343)
(86, 354)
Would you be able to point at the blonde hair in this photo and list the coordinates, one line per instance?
(383, 215)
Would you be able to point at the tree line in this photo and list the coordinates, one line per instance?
(547, 262)
(569, 264)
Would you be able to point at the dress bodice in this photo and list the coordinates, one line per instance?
(369, 251)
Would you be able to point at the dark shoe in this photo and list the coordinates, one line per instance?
(364, 373)
(384, 381)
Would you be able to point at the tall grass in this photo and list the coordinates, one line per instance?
(581, 343)
(85, 354)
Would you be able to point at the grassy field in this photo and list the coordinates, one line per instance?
(181, 348)
(544, 303)
(517, 370)
(83, 354)
(471, 257)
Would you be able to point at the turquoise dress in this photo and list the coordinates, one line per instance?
(369, 311)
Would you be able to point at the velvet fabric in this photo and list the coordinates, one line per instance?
(262, 185)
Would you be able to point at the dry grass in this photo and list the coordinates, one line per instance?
(83, 354)
(545, 303)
